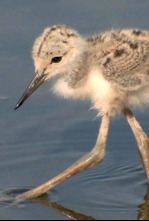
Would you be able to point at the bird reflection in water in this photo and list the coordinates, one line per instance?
(8, 198)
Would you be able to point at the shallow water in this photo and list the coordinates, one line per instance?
(48, 134)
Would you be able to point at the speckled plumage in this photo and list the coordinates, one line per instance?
(111, 68)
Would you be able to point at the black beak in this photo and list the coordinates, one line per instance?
(35, 83)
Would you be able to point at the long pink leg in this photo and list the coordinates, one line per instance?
(141, 138)
(89, 160)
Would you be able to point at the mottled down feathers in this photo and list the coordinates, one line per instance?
(111, 68)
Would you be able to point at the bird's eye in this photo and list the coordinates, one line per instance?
(56, 59)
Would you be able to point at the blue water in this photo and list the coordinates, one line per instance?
(48, 134)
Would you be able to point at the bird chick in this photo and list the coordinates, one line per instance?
(111, 69)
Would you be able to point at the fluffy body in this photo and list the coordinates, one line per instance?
(111, 68)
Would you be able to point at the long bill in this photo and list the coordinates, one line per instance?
(35, 83)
